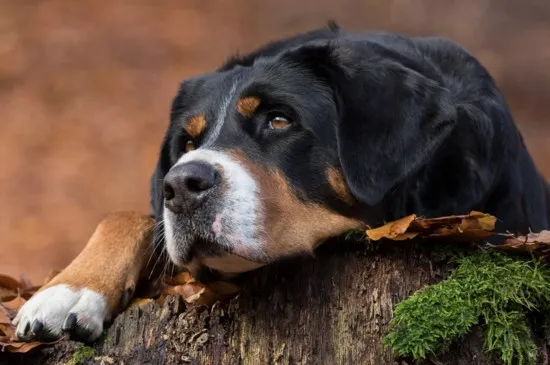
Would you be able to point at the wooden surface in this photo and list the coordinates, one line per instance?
(333, 309)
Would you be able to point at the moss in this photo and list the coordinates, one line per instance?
(355, 235)
(495, 290)
(82, 354)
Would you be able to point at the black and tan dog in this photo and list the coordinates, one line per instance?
(299, 141)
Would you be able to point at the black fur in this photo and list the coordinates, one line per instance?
(417, 125)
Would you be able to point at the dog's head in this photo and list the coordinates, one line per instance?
(271, 155)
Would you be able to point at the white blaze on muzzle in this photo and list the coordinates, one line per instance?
(237, 222)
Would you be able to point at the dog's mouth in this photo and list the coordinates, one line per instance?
(201, 248)
(207, 260)
(199, 255)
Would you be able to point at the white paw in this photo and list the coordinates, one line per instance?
(60, 310)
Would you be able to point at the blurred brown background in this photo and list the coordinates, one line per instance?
(85, 89)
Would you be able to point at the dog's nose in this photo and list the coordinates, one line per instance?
(186, 186)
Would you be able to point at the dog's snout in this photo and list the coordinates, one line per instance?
(187, 185)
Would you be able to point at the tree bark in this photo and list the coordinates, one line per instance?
(332, 309)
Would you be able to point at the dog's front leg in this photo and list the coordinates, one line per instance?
(98, 282)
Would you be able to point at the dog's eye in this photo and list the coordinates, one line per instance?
(278, 122)
(189, 146)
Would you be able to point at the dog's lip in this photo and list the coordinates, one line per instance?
(202, 248)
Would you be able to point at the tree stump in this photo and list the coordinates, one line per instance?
(331, 309)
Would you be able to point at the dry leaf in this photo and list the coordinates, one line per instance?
(13, 294)
(538, 242)
(14, 304)
(193, 292)
(180, 279)
(140, 302)
(186, 290)
(7, 294)
(8, 331)
(471, 227)
(4, 315)
(22, 347)
(195, 297)
(10, 288)
(29, 292)
(10, 283)
(395, 230)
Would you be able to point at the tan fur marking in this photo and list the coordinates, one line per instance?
(291, 225)
(338, 184)
(113, 259)
(247, 106)
(195, 125)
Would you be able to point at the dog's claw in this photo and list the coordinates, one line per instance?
(69, 322)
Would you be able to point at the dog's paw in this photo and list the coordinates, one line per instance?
(59, 310)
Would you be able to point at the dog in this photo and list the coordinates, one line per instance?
(304, 139)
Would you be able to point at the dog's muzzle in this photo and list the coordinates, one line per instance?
(212, 212)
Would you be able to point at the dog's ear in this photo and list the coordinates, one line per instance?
(162, 168)
(392, 117)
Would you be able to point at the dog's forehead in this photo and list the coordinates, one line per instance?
(217, 88)
(214, 99)
(217, 98)
(272, 75)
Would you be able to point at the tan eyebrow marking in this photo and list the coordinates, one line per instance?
(195, 125)
(247, 106)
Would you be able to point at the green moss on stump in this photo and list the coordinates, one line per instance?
(82, 354)
(488, 288)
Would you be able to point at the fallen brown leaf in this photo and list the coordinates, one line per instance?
(20, 347)
(8, 332)
(179, 279)
(472, 227)
(7, 294)
(140, 302)
(11, 288)
(13, 294)
(194, 297)
(193, 292)
(14, 304)
(396, 230)
(10, 283)
(29, 292)
(533, 242)
(4, 315)
(186, 290)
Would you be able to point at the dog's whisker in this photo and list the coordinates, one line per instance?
(159, 257)
(150, 258)
(163, 272)
(158, 240)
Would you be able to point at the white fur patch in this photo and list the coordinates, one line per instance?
(172, 242)
(236, 223)
(222, 114)
(52, 306)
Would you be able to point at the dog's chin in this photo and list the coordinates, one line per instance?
(202, 257)
(228, 266)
